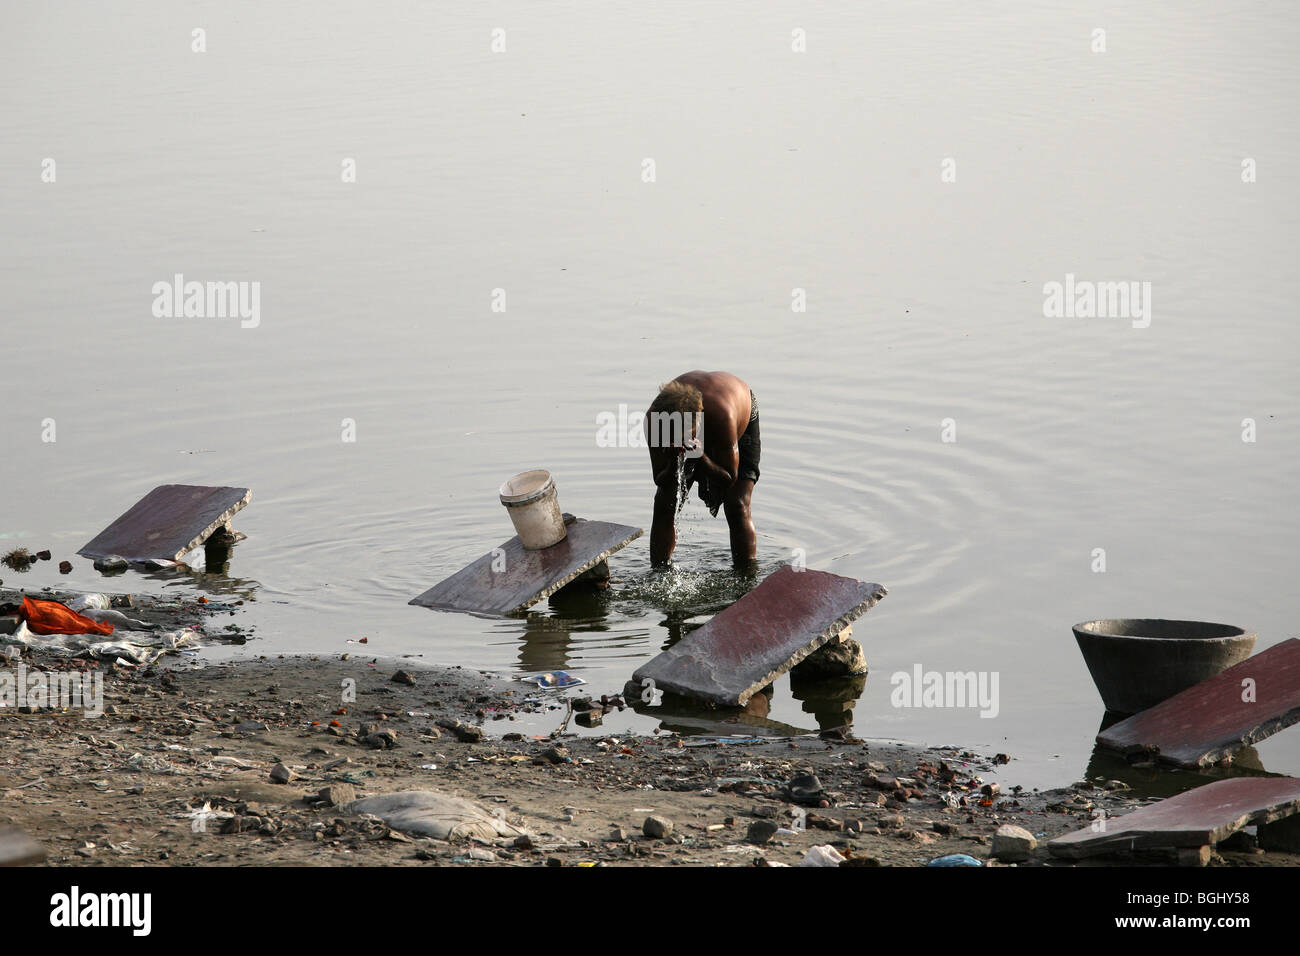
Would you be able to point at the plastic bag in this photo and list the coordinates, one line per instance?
(825, 855)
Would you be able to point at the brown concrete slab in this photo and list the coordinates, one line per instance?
(1200, 817)
(1206, 722)
(760, 637)
(168, 522)
(511, 578)
(18, 849)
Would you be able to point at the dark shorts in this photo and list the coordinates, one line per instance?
(750, 445)
(749, 449)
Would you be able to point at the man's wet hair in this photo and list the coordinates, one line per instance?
(678, 397)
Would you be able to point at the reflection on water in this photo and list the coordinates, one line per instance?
(829, 700)
(557, 639)
(217, 583)
(819, 172)
(1155, 781)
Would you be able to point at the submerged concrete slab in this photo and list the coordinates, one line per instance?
(510, 578)
(1200, 817)
(168, 522)
(760, 637)
(1213, 719)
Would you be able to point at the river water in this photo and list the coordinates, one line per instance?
(865, 231)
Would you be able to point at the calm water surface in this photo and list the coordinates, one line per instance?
(775, 171)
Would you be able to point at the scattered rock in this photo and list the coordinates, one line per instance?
(337, 794)
(465, 733)
(1013, 844)
(840, 657)
(251, 726)
(806, 789)
(469, 734)
(382, 739)
(760, 832)
(112, 564)
(402, 677)
(1194, 856)
(65, 567)
(281, 774)
(557, 754)
(657, 827)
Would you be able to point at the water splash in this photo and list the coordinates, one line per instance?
(681, 488)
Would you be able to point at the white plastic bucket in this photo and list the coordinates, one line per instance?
(534, 509)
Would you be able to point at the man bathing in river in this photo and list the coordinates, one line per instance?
(722, 462)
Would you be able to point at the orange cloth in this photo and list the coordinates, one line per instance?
(51, 617)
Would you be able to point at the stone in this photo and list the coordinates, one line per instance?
(431, 813)
(761, 832)
(557, 754)
(657, 827)
(251, 726)
(65, 567)
(1194, 856)
(111, 564)
(402, 677)
(618, 835)
(839, 657)
(1013, 844)
(337, 794)
(747, 646)
(469, 734)
(1214, 719)
(511, 578)
(1281, 836)
(168, 522)
(17, 848)
(382, 739)
(281, 774)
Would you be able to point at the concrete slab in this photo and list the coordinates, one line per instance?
(168, 522)
(510, 578)
(1213, 719)
(760, 637)
(18, 849)
(1200, 817)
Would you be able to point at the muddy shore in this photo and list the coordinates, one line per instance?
(248, 763)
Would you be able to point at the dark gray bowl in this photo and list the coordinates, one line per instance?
(1138, 662)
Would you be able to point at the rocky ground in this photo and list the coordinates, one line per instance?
(252, 762)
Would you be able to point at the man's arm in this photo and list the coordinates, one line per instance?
(716, 473)
(663, 529)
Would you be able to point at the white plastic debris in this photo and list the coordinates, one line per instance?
(437, 815)
(824, 855)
